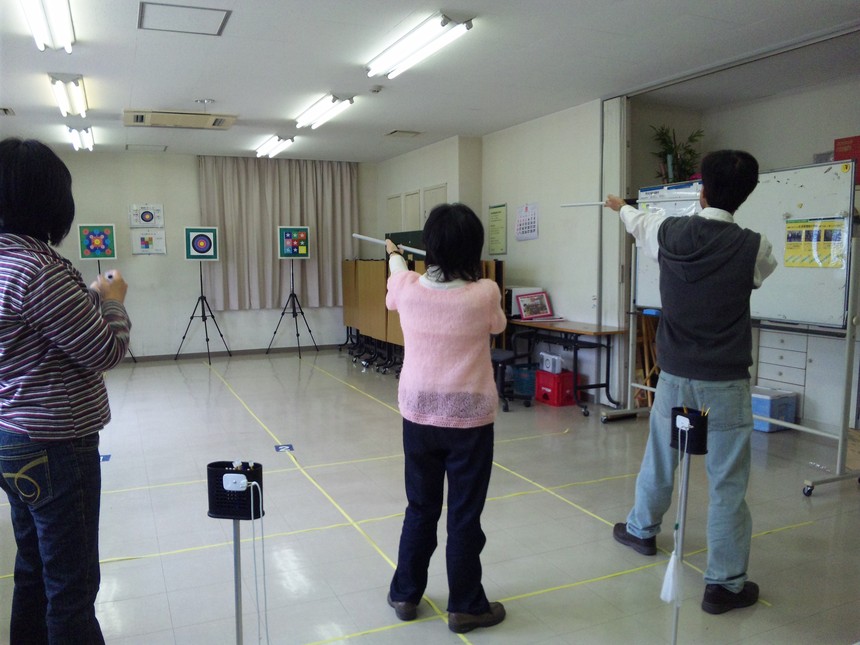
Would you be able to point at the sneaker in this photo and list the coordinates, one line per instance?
(645, 546)
(719, 600)
(404, 609)
(462, 623)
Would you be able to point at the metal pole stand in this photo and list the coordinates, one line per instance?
(690, 437)
(296, 307)
(232, 497)
(204, 308)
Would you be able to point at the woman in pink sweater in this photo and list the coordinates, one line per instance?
(448, 399)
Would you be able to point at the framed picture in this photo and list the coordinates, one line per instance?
(534, 305)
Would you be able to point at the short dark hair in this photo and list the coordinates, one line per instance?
(728, 178)
(35, 191)
(454, 239)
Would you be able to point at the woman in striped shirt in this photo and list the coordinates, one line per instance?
(57, 336)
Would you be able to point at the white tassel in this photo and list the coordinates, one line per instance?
(672, 581)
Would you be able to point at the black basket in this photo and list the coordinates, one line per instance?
(690, 430)
(230, 504)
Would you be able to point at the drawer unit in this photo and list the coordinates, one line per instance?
(782, 362)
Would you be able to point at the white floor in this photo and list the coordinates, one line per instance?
(334, 508)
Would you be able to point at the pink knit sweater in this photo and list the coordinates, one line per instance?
(447, 376)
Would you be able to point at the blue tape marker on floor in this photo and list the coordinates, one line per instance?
(105, 457)
(284, 447)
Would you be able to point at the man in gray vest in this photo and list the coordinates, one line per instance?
(708, 268)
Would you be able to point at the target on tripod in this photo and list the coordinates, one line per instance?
(294, 242)
(96, 242)
(201, 243)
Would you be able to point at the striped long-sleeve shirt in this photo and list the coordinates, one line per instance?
(56, 339)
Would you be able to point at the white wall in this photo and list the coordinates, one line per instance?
(549, 162)
(787, 130)
(164, 289)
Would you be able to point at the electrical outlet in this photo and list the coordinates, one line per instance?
(235, 481)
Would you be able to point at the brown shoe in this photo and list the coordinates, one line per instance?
(404, 609)
(462, 623)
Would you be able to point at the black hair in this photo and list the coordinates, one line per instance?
(453, 239)
(35, 191)
(728, 178)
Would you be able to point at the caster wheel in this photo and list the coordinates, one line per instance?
(585, 413)
(807, 490)
(527, 404)
(603, 420)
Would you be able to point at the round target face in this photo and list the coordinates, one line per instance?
(147, 216)
(201, 243)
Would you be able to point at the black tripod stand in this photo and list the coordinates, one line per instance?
(293, 302)
(204, 307)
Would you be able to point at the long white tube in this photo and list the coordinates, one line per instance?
(408, 249)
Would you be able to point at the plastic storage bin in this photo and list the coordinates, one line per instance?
(229, 504)
(777, 404)
(524, 379)
(554, 389)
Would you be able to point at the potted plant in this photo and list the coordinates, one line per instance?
(677, 161)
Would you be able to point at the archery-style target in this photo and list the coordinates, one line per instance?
(96, 242)
(294, 242)
(201, 243)
(147, 216)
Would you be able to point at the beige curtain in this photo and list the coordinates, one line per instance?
(247, 199)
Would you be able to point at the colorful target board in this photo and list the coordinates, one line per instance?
(146, 216)
(97, 242)
(294, 243)
(201, 243)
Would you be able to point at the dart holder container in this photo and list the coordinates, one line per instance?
(235, 505)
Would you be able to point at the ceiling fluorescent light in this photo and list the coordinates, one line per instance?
(273, 146)
(69, 93)
(425, 40)
(81, 138)
(321, 111)
(50, 22)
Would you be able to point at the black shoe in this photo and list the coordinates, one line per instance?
(719, 600)
(404, 609)
(645, 546)
(462, 623)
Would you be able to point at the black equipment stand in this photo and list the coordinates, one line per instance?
(204, 307)
(296, 308)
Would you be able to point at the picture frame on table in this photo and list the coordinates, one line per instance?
(534, 305)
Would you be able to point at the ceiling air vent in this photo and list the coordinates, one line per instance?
(174, 119)
(402, 134)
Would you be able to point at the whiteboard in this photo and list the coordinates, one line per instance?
(805, 213)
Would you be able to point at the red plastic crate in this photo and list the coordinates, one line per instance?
(845, 149)
(554, 389)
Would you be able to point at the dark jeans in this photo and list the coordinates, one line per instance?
(466, 456)
(54, 490)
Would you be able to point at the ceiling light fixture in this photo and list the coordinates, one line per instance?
(322, 111)
(274, 145)
(51, 23)
(426, 39)
(81, 138)
(69, 93)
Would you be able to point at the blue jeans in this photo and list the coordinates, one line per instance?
(466, 456)
(727, 463)
(54, 491)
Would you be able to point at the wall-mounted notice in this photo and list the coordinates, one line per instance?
(527, 222)
(146, 216)
(497, 225)
(148, 241)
